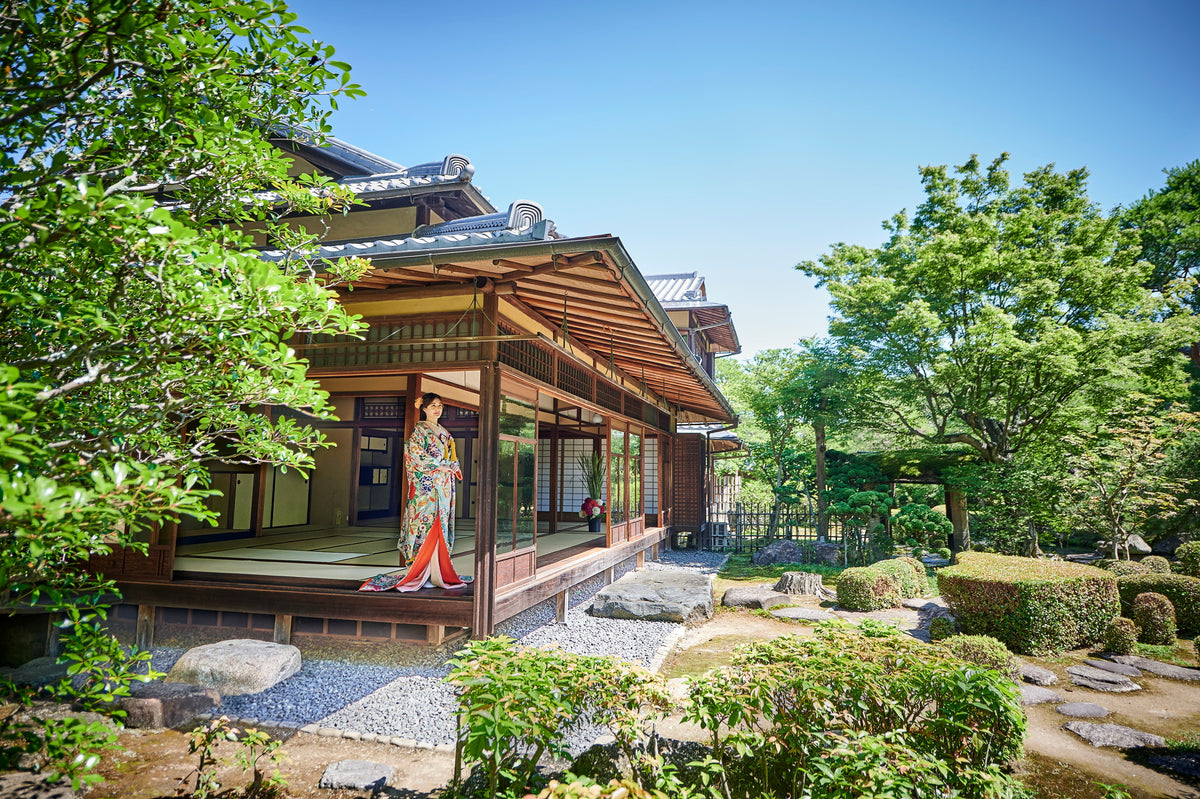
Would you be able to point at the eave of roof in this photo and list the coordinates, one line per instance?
(587, 286)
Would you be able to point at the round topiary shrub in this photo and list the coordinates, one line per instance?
(912, 584)
(941, 628)
(1187, 559)
(943, 553)
(865, 589)
(1155, 615)
(983, 650)
(1183, 591)
(1121, 636)
(1119, 567)
(1157, 564)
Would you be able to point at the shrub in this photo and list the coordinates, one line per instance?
(1183, 591)
(1187, 559)
(983, 650)
(1155, 615)
(1120, 567)
(1157, 564)
(943, 553)
(900, 707)
(1033, 606)
(1120, 637)
(942, 627)
(910, 580)
(865, 589)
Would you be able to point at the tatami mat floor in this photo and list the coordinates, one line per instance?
(344, 553)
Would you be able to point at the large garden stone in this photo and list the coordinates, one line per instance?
(1185, 763)
(36, 672)
(779, 552)
(754, 596)
(1037, 675)
(24, 785)
(1137, 545)
(1037, 695)
(1113, 735)
(1157, 667)
(357, 775)
(1114, 667)
(240, 666)
(802, 614)
(801, 583)
(1082, 710)
(1100, 680)
(158, 705)
(666, 595)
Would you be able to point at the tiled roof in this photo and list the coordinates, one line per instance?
(522, 222)
(451, 169)
(677, 288)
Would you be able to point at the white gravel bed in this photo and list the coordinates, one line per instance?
(411, 701)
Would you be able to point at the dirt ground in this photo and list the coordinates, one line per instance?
(1059, 763)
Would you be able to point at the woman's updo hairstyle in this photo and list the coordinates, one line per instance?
(425, 399)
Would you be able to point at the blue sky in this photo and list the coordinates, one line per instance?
(737, 139)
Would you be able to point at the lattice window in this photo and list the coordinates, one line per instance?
(650, 475)
(529, 357)
(609, 396)
(385, 343)
(574, 379)
(633, 407)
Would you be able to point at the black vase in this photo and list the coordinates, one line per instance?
(594, 523)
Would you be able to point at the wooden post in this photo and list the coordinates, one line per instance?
(956, 509)
(283, 629)
(608, 575)
(641, 559)
(484, 609)
(435, 634)
(143, 637)
(561, 602)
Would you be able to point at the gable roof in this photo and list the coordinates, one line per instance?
(686, 291)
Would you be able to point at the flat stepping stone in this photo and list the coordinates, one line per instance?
(1100, 680)
(1115, 668)
(1037, 675)
(802, 614)
(1082, 710)
(1157, 667)
(755, 596)
(1113, 735)
(236, 667)
(1037, 695)
(159, 705)
(926, 604)
(1187, 764)
(357, 775)
(667, 595)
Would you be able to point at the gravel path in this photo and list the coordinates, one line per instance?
(409, 700)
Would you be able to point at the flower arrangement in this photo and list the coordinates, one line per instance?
(591, 509)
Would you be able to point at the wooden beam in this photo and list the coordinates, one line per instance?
(562, 279)
(445, 289)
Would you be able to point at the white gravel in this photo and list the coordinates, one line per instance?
(410, 701)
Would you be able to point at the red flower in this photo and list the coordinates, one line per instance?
(591, 508)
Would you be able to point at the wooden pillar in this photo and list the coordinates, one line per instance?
(956, 509)
(143, 637)
(283, 629)
(435, 634)
(609, 573)
(561, 605)
(641, 559)
(258, 501)
(552, 501)
(484, 611)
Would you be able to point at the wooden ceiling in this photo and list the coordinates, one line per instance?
(574, 285)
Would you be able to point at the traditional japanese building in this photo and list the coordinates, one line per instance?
(545, 348)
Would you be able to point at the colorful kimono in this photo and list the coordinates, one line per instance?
(429, 508)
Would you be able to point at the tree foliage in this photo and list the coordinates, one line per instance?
(995, 307)
(140, 334)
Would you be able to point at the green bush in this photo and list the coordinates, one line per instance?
(1157, 564)
(1033, 606)
(865, 589)
(983, 650)
(1155, 615)
(1187, 559)
(1120, 567)
(942, 627)
(1120, 637)
(899, 708)
(943, 553)
(911, 581)
(1183, 591)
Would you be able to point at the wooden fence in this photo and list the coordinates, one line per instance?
(742, 527)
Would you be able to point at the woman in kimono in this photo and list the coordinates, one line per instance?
(427, 523)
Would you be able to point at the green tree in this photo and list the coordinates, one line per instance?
(995, 308)
(1119, 479)
(140, 334)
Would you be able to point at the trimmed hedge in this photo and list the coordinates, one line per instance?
(941, 627)
(1187, 559)
(1183, 591)
(911, 583)
(1157, 564)
(1035, 607)
(983, 650)
(1155, 615)
(1120, 567)
(1121, 636)
(864, 589)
